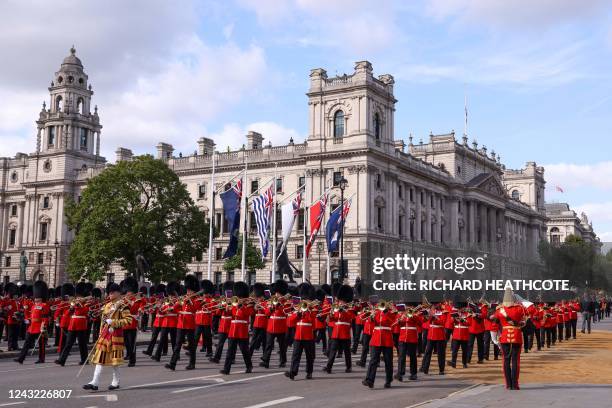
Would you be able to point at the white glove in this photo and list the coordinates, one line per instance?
(109, 321)
(27, 322)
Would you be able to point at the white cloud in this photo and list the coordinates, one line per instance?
(234, 135)
(524, 14)
(570, 176)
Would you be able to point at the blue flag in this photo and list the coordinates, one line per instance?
(231, 212)
(334, 227)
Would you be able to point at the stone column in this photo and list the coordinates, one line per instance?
(427, 216)
(493, 228)
(484, 227)
(453, 219)
(472, 222)
(418, 216)
(19, 241)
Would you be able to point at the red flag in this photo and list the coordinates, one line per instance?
(317, 212)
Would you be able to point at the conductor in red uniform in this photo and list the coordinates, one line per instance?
(38, 316)
(511, 318)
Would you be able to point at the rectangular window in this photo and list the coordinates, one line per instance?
(12, 237)
(400, 192)
(401, 226)
(279, 222)
(43, 231)
(51, 139)
(7, 279)
(217, 278)
(110, 278)
(83, 135)
(218, 223)
(40, 258)
(14, 210)
(378, 180)
(379, 217)
(252, 222)
(218, 253)
(7, 261)
(411, 195)
(254, 186)
(300, 220)
(337, 178)
(252, 277)
(202, 191)
(299, 251)
(198, 275)
(46, 202)
(279, 185)
(230, 276)
(301, 181)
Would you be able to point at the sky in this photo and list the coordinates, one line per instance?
(537, 74)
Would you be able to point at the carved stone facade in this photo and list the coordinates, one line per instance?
(563, 222)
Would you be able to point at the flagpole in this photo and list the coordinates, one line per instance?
(212, 217)
(305, 277)
(244, 209)
(328, 274)
(274, 225)
(222, 187)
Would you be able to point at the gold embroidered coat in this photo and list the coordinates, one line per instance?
(109, 347)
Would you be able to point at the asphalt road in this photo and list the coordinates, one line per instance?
(150, 384)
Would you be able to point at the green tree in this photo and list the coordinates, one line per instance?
(253, 258)
(135, 207)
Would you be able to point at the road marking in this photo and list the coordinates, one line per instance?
(108, 397)
(460, 391)
(226, 382)
(275, 402)
(11, 403)
(173, 381)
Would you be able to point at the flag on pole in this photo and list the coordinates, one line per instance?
(317, 212)
(288, 213)
(559, 189)
(231, 212)
(335, 225)
(262, 210)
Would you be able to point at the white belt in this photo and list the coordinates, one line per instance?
(461, 327)
(260, 315)
(170, 315)
(408, 328)
(343, 323)
(278, 317)
(382, 328)
(202, 312)
(434, 326)
(226, 317)
(304, 324)
(78, 317)
(186, 313)
(240, 321)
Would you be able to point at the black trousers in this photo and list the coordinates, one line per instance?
(440, 347)
(574, 323)
(306, 346)
(423, 341)
(568, 329)
(29, 343)
(289, 337)
(206, 334)
(181, 335)
(322, 337)
(154, 335)
(410, 350)
(129, 338)
(478, 339)
(220, 343)
(258, 340)
(488, 341)
(163, 341)
(13, 336)
(560, 332)
(512, 358)
(548, 335)
(337, 346)
(95, 330)
(71, 337)
(455, 345)
(232, 346)
(56, 337)
(144, 322)
(357, 337)
(387, 353)
(538, 336)
(282, 344)
(365, 348)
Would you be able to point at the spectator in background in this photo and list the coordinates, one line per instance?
(588, 308)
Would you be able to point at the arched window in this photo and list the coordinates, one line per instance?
(554, 229)
(59, 104)
(339, 124)
(515, 194)
(377, 126)
(80, 106)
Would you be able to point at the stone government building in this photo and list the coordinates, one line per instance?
(440, 194)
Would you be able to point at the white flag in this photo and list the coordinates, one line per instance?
(288, 213)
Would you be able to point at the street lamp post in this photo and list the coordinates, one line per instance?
(55, 271)
(343, 183)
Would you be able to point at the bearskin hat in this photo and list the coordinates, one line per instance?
(320, 295)
(172, 288)
(258, 289)
(281, 287)
(25, 290)
(67, 289)
(96, 292)
(181, 289)
(41, 290)
(160, 289)
(306, 291)
(335, 288)
(293, 290)
(227, 285)
(58, 290)
(11, 289)
(51, 293)
(88, 288)
(113, 287)
(80, 289)
(192, 283)
(326, 288)
(241, 290)
(207, 287)
(130, 284)
(345, 293)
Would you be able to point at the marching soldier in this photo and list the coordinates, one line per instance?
(108, 351)
(368, 327)
(304, 334)
(341, 317)
(186, 324)
(168, 324)
(225, 322)
(381, 343)
(511, 318)
(160, 293)
(277, 325)
(476, 329)
(239, 329)
(260, 322)
(130, 287)
(77, 326)
(461, 336)
(38, 318)
(11, 308)
(436, 340)
(203, 317)
(409, 324)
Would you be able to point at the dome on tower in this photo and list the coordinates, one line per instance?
(72, 59)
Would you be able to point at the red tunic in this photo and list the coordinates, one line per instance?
(239, 327)
(277, 319)
(225, 321)
(11, 307)
(409, 328)
(510, 318)
(304, 327)
(38, 317)
(461, 329)
(261, 319)
(186, 314)
(436, 327)
(203, 316)
(342, 324)
(170, 312)
(78, 317)
(382, 335)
